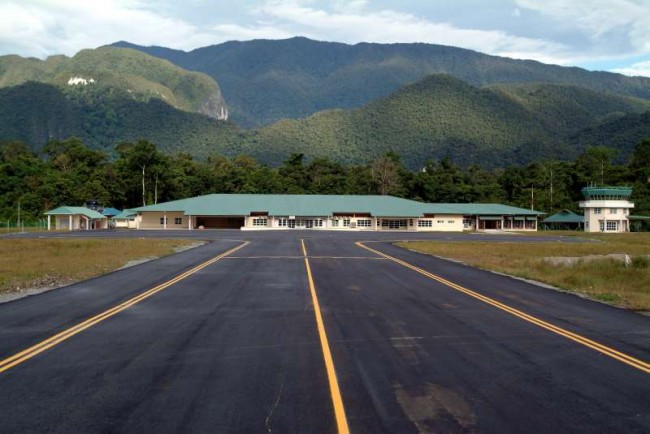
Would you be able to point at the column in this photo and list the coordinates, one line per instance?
(70, 222)
(49, 223)
(165, 220)
(189, 222)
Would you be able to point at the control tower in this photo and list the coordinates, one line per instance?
(606, 209)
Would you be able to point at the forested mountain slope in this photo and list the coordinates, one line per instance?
(443, 116)
(36, 113)
(92, 74)
(268, 80)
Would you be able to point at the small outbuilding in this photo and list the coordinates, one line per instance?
(75, 218)
(564, 220)
(125, 219)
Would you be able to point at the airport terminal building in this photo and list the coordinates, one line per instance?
(330, 212)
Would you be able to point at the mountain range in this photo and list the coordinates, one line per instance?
(350, 103)
(268, 80)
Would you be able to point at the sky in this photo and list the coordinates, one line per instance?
(608, 35)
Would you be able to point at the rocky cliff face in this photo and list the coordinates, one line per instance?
(215, 107)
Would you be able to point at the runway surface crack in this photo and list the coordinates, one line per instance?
(267, 422)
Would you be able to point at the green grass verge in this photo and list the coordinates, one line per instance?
(36, 263)
(604, 279)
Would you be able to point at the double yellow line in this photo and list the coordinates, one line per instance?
(337, 401)
(622, 357)
(30, 352)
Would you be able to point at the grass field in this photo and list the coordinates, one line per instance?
(35, 263)
(604, 279)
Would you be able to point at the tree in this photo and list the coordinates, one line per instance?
(388, 174)
(143, 157)
(594, 166)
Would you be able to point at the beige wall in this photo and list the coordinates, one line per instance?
(151, 220)
(442, 222)
(62, 222)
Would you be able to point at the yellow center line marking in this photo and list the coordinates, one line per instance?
(603, 349)
(42, 346)
(337, 401)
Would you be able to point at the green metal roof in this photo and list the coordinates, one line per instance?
(638, 217)
(604, 193)
(125, 215)
(478, 209)
(76, 210)
(323, 205)
(564, 216)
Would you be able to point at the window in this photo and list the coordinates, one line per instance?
(259, 222)
(602, 225)
(425, 223)
(613, 210)
(468, 223)
(335, 223)
(612, 226)
(394, 224)
(178, 221)
(441, 222)
(346, 222)
(451, 222)
(411, 222)
(365, 223)
(163, 220)
(598, 210)
(282, 223)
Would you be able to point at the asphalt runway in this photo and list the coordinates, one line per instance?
(309, 332)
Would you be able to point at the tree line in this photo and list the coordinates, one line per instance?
(68, 172)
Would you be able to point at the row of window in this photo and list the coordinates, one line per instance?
(429, 223)
(611, 210)
(345, 222)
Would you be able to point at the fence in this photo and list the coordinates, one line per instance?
(13, 225)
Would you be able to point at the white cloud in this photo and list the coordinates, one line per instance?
(599, 19)
(44, 27)
(636, 69)
(356, 23)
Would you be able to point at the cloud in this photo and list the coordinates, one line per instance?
(44, 27)
(354, 22)
(636, 69)
(628, 21)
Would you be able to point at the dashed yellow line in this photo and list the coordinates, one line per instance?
(32, 351)
(603, 349)
(337, 401)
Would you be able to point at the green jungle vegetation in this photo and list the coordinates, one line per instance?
(441, 115)
(138, 76)
(265, 81)
(437, 117)
(68, 172)
(36, 113)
